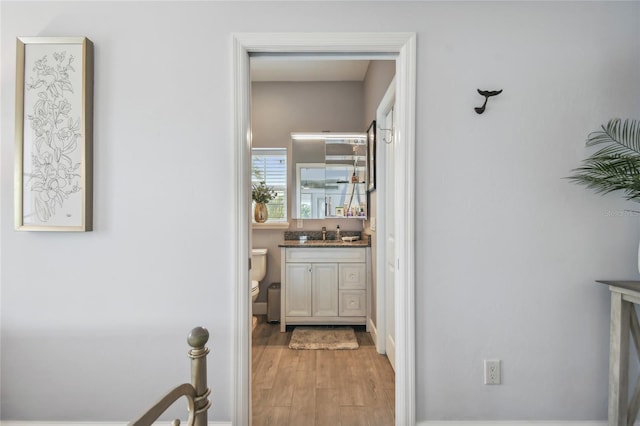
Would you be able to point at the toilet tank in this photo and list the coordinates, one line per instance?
(258, 264)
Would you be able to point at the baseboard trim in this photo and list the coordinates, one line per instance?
(423, 423)
(29, 423)
(512, 423)
(373, 331)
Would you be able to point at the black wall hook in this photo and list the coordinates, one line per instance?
(487, 94)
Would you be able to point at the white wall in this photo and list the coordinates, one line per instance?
(376, 82)
(280, 108)
(507, 251)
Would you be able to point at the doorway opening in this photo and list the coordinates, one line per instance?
(357, 46)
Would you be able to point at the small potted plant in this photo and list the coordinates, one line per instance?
(261, 194)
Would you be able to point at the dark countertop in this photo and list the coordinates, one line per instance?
(324, 244)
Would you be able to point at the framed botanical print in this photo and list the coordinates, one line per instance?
(54, 134)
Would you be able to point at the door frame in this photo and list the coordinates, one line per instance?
(404, 46)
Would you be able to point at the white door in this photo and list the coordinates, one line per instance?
(390, 240)
(386, 228)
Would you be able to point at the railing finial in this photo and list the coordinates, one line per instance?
(198, 337)
(197, 340)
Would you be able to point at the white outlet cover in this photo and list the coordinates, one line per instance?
(492, 373)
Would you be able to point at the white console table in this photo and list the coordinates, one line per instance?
(624, 323)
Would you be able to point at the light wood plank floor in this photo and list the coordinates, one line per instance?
(319, 387)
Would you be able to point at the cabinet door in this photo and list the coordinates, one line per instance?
(325, 289)
(298, 290)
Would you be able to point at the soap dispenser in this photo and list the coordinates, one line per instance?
(338, 233)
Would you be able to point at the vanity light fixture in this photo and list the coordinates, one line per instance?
(353, 138)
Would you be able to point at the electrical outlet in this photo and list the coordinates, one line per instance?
(299, 224)
(492, 374)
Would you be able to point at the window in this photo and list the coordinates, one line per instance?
(269, 165)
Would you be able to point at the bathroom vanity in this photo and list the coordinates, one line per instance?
(325, 283)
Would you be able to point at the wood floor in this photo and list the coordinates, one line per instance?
(319, 387)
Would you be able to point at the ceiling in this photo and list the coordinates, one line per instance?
(270, 69)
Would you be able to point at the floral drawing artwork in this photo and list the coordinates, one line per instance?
(52, 155)
(53, 188)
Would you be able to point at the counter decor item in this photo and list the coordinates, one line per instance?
(54, 134)
(260, 213)
(261, 195)
(616, 165)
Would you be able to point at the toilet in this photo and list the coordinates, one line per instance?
(258, 270)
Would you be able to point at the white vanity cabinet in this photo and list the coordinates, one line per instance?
(324, 285)
(312, 290)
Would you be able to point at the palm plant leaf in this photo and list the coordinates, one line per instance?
(615, 166)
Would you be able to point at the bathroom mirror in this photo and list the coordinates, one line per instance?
(328, 174)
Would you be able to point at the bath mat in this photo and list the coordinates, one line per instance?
(323, 338)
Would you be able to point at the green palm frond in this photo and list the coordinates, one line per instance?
(616, 166)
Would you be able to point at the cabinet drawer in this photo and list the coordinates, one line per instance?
(353, 303)
(353, 276)
(326, 255)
